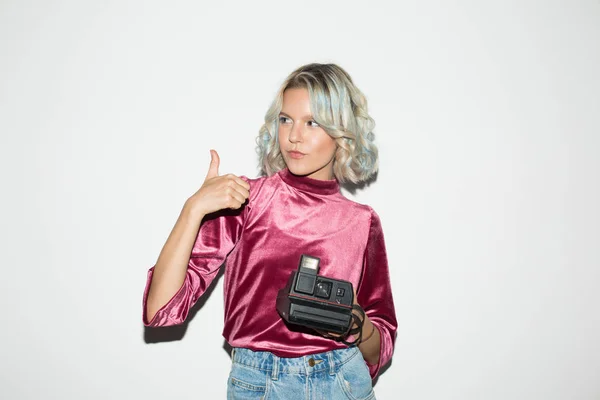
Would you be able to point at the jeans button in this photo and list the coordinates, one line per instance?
(311, 362)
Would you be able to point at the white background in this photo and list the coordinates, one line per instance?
(488, 122)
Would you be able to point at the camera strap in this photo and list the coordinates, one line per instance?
(358, 320)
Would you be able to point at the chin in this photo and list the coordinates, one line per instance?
(303, 170)
(298, 170)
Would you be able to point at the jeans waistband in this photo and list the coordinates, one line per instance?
(329, 361)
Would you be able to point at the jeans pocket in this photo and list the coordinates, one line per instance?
(246, 383)
(355, 380)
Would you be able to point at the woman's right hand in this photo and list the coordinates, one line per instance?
(218, 192)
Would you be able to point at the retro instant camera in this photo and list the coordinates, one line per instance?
(316, 301)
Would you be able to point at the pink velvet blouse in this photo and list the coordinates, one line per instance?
(260, 245)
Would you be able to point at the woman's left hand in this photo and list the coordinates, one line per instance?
(334, 335)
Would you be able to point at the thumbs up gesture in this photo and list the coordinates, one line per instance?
(219, 191)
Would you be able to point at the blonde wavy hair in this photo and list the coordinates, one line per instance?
(340, 109)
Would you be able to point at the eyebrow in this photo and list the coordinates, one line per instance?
(308, 116)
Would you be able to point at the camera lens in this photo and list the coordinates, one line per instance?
(323, 289)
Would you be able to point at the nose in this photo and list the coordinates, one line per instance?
(295, 135)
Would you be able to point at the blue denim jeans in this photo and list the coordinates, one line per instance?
(334, 375)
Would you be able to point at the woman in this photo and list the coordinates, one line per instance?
(317, 134)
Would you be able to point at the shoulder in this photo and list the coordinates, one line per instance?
(367, 216)
(262, 181)
(262, 187)
(360, 210)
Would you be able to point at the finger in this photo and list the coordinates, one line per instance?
(237, 180)
(327, 334)
(241, 190)
(242, 183)
(233, 199)
(213, 169)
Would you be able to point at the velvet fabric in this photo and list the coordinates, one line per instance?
(260, 245)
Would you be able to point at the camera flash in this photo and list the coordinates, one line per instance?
(307, 274)
(310, 262)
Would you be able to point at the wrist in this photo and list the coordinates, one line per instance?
(193, 210)
(367, 332)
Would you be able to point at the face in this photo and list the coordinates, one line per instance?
(306, 148)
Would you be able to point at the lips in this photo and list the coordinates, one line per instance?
(296, 154)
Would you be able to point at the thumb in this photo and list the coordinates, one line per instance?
(213, 170)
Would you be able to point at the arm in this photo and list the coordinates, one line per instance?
(168, 275)
(370, 346)
(375, 297)
(192, 255)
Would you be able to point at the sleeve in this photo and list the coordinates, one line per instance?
(217, 236)
(375, 293)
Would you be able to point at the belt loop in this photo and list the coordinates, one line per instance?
(275, 370)
(331, 363)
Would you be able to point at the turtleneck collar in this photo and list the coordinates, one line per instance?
(307, 184)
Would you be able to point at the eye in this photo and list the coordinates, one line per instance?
(284, 120)
(312, 124)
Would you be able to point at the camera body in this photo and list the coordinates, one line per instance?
(316, 301)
